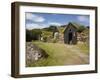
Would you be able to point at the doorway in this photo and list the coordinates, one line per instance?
(70, 37)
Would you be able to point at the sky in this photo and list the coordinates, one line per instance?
(42, 20)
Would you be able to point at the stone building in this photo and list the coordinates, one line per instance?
(70, 33)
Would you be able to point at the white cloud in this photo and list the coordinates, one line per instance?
(82, 18)
(33, 25)
(34, 17)
(54, 23)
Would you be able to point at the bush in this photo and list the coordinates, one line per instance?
(28, 35)
(33, 34)
(45, 39)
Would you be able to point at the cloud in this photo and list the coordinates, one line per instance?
(54, 23)
(34, 17)
(83, 18)
(34, 25)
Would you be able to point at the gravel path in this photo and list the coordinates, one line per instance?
(78, 56)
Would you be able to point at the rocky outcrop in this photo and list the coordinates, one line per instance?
(34, 53)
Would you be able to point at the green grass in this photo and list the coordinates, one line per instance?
(83, 47)
(59, 54)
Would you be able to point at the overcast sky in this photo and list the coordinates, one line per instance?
(42, 20)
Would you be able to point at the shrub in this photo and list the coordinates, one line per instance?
(28, 35)
(45, 39)
(33, 34)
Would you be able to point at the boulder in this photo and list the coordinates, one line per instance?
(34, 53)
